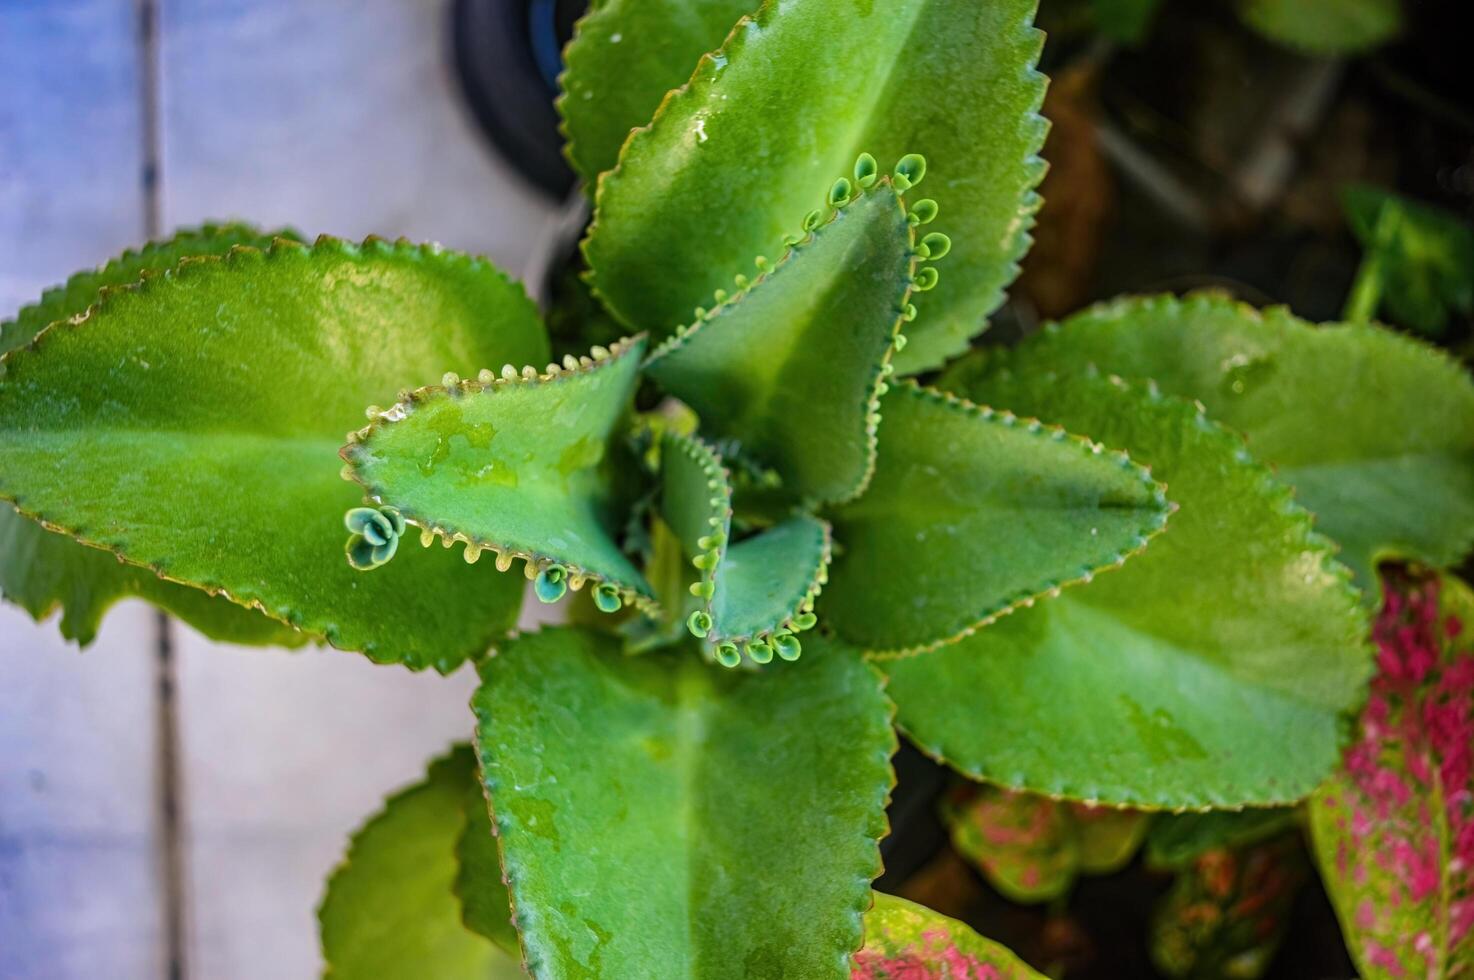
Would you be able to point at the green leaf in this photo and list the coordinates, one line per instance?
(389, 912)
(41, 570)
(1126, 21)
(624, 57)
(1190, 669)
(972, 513)
(906, 941)
(512, 464)
(795, 94)
(1394, 827)
(485, 905)
(1325, 27)
(1227, 914)
(791, 366)
(73, 297)
(1031, 848)
(655, 810)
(190, 424)
(751, 592)
(1178, 839)
(1374, 430)
(1419, 264)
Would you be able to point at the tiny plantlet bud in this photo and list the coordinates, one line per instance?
(759, 652)
(551, 583)
(926, 279)
(909, 169)
(699, 623)
(813, 219)
(728, 655)
(937, 245)
(925, 211)
(786, 645)
(607, 598)
(840, 193)
(866, 170)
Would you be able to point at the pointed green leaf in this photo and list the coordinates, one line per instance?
(1178, 839)
(750, 590)
(41, 569)
(191, 423)
(389, 912)
(793, 97)
(906, 941)
(655, 810)
(1325, 27)
(1394, 827)
(1374, 430)
(624, 57)
(1178, 680)
(1031, 848)
(791, 367)
(485, 905)
(511, 464)
(1227, 913)
(972, 513)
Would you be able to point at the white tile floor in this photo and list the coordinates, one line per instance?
(334, 116)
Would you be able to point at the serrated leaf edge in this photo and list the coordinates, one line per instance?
(1278, 494)
(452, 386)
(1052, 589)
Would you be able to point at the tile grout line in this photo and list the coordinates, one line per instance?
(170, 792)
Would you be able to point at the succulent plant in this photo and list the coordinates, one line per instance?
(1130, 562)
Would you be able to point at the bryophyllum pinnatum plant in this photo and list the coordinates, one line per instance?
(1127, 566)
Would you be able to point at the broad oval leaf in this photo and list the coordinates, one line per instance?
(1325, 27)
(41, 569)
(1030, 847)
(1374, 430)
(638, 803)
(389, 912)
(511, 464)
(191, 423)
(1178, 680)
(624, 57)
(790, 367)
(1394, 827)
(972, 513)
(795, 94)
(750, 592)
(906, 941)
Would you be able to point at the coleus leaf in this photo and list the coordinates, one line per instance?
(1227, 913)
(1394, 827)
(624, 57)
(972, 513)
(1419, 261)
(1030, 847)
(1324, 27)
(790, 366)
(1374, 430)
(1192, 667)
(633, 797)
(906, 941)
(1178, 839)
(754, 594)
(41, 569)
(389, 912)
(734, 154)
(230, 380)
(485, 905)
(512, 464)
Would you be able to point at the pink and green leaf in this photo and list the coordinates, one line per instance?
(1394, 827)
(905, 941)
